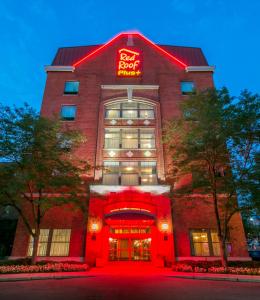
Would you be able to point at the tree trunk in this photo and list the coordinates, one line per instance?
(35, 245)
(220, 235)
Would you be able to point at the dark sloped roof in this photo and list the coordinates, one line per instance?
(69, 55)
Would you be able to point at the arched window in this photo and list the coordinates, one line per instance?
(129, 110)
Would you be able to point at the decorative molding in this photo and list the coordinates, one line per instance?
(200, 69)
(59, 69)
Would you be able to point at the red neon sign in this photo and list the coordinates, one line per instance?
(158, 48)
(129, 63)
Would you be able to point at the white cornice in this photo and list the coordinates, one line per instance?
(59, 68)
(154, 189)
(200, 69)
(127, 86)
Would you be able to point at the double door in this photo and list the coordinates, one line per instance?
(129, 249)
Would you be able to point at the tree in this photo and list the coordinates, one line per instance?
(216, 139)
(39, 169)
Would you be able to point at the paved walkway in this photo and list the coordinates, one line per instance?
(132, 270)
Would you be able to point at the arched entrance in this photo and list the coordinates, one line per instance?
(130, 235)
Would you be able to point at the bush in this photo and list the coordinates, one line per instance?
(241, 268)
(49, 267)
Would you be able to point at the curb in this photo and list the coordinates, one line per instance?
(236, 279)
(43, 278)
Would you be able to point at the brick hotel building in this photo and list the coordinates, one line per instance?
(119, 94)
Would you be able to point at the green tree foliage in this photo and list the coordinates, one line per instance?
(38, 167)
(216, 139)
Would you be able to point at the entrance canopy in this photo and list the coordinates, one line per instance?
(135, 216)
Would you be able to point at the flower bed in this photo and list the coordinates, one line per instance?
(180, 267)
(49, 267)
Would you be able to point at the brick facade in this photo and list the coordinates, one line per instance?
(94, 73)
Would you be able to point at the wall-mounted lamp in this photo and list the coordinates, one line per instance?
(165, 229)
(94, 228)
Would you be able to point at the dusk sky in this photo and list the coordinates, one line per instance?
(32, 30)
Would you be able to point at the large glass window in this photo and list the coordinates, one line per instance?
(68, 112)
(71, 87)
(52, 242)
(111, 173)
(129, 138)
(129, 110)
(60, 242)
(205, 242)
(42, 245)
(148, 172)
(129, 173)
(116, 138)
(112, 138)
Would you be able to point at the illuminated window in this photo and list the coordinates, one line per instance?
(205, 242)
(68, 112)
(129, 173)
(111, 173)
(42, 245)
(71, 87)
(130, 138)
(187, 87)
(127, 138)
(148, 172)
(129, 110)
(147, 139)
(112, 138)
(52, 242)
(60, 242)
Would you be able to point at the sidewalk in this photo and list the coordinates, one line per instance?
(43, 276)
(96, 272)
(217, 277)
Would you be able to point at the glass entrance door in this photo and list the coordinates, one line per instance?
(129, 249)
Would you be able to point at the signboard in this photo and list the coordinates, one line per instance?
(129, 63)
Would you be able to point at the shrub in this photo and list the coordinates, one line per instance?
(49, 267)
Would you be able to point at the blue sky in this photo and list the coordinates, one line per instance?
(32, 30)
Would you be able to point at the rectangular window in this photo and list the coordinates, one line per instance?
(42, 245)
(148, 172)
(71, 87)
(68, 112)
(60, 242)
(127, 138)
(129, 110)
(147, 139)
(129, 173)
(112, 138)
(111, 173)
(187, 87)
(52, 242)
(204, 242)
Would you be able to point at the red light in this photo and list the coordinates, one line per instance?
(167, 54)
